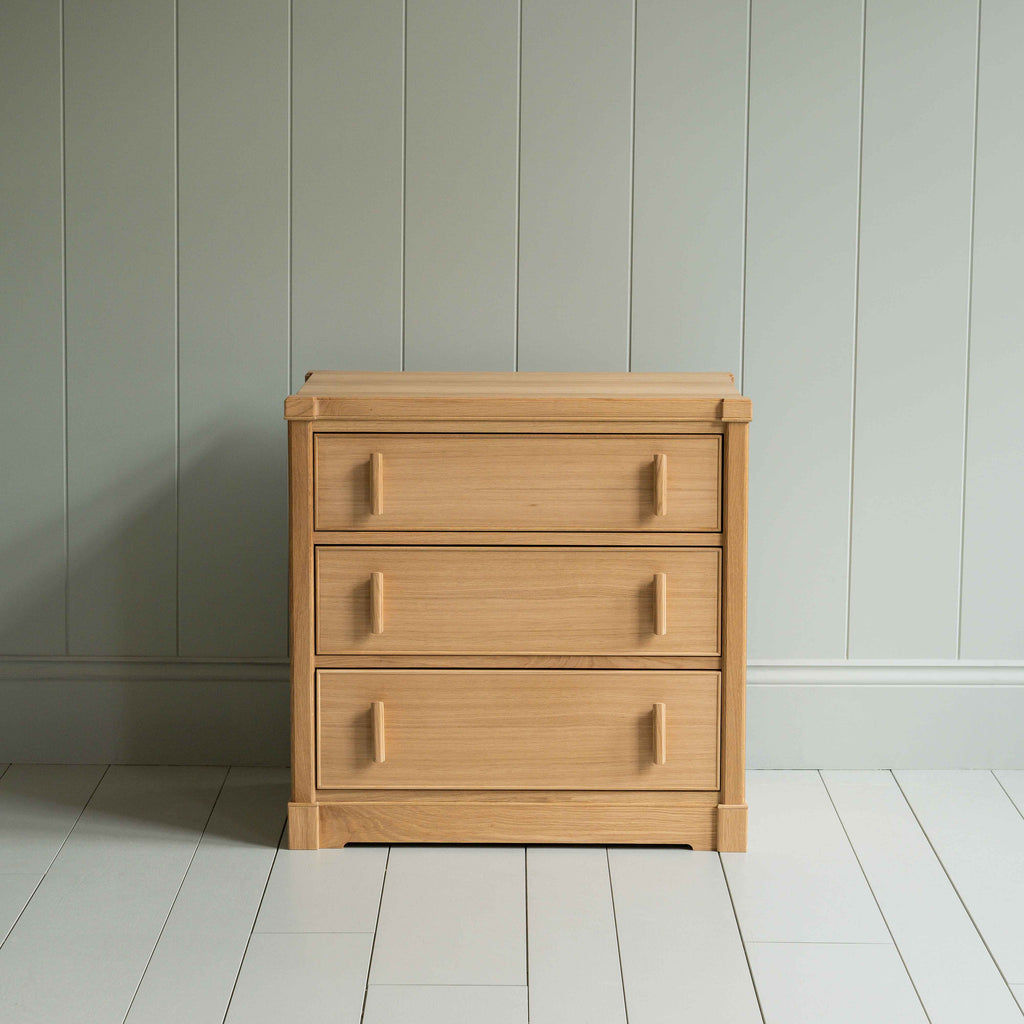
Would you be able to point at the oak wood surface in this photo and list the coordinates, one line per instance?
(517, 482)
(300, 633)
(517, 600)
(583, 396)
(424, 820)
(518, 730)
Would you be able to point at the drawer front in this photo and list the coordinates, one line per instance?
(514, 729)
(517, 482)
(517, 600)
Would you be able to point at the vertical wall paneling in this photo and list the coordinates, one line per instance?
(347, 103)
(993, 556)
(574, 195)
(917, 165)
(805, 77)
(121, 370)
(691, 99)
(233, 325)
(460, 184)
(31, 331)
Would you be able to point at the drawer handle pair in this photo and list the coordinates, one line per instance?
(660, 603)
(659, 737)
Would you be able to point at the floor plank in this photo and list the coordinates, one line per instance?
(571, 945)
(447, 1004)
(955, 977)
(678, 939)
(978, 835)
(80, 948)
(452, 916)
(833, 983)
(39, 805)
(196, 961)
(313, 978)
(799, 880)
(1013, 783)
(324, 890)
(15, 892)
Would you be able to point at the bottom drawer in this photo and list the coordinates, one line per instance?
(517, 729)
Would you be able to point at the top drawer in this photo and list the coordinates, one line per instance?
(517, 482)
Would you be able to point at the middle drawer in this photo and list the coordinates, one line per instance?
(517, 600)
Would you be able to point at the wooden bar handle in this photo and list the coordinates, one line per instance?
(377, 602)
(377, 491)
(661, 485)
(377, 707)
(660, 742)
(660, 603)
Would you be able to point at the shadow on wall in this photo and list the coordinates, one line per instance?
(156, 573)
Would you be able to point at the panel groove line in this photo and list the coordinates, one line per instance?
(919, 84)
(460, 184)
(800, 289)
(689, 185)
(33, 513)
(233, 325)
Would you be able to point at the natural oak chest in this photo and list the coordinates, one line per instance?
(518, 608)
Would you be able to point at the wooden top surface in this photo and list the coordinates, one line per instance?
(518, 396)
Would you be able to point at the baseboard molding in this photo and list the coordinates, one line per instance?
(800, 714)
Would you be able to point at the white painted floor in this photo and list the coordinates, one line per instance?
(151, 894)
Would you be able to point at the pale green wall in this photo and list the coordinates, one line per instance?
(201, 200)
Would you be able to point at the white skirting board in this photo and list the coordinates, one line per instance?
(800, 714)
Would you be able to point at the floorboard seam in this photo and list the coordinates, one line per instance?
(743, 941)
(177, 893)
(373, 941)
(53, 859)
(871, 889)
(255, 918)
(1020, 810)
(949, 878)
(615, 922)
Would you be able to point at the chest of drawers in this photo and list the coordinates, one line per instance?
(518, 608)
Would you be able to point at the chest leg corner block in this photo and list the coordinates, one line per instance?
(303, 827)
(732, 828)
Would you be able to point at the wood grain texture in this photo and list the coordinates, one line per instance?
(801, 248)
(734, 615)
(688, 186)
(575, 141)
(918, 139)
(519, 601)
(31, 300)
(517, 482)
(517, 730)
(301, 641)
(993, 558)
(605, 397)
(346, 201)
(119, 99)
(522, 819)
(461, 102)
(232, 118)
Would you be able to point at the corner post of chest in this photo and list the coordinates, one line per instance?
(732, 809)
(302, 812)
